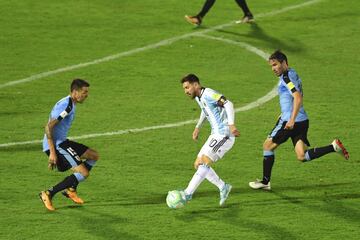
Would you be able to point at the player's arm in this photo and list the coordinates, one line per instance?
(196, 131)
(59, 113)
(229, 109)
(49, 127)
(296, 108)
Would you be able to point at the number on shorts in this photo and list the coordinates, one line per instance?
(73, 153)
(213, 143)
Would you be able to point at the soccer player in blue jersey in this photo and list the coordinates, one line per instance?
(293, 122)
(197, 19)
(219, 111)
(65, 154)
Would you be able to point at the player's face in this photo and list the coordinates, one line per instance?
(277, 67)
(81, 94)
(190, 89)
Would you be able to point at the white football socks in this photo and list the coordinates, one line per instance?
(198, 177)
(212, 177)
(203, 172)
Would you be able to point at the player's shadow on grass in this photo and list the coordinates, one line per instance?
(282, 191)
(271, 42)
(70, 207)
(333, 204)
(152, 199)
(231, 215)
(102, 225)
(312, 186)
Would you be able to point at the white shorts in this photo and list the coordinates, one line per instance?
(216, 146)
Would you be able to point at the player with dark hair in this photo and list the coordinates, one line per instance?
(220, 113)
(197, 19)
(293, 122)
(65, 154)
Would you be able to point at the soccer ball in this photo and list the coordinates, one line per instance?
(175, 199)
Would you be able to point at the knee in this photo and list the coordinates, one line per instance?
(96, 156)
(206, 160)
(84, 172)
(267, 145)
(91, 154)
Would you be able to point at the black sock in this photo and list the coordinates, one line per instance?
(88, 166)
(69, 181)
(268, 163)
(207, 5)
(74, 186)
(318, 152)
(244, 7)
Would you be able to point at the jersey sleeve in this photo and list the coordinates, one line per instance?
(289, 81)
(216, 98)
(201, 120)
(61, 110)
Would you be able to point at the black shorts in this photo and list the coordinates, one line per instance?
(280, 135)
(68, 154)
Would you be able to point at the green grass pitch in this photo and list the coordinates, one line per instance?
(125, 194)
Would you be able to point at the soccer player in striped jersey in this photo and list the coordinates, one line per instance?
(293, 123)
(65, 154)
(219, 111)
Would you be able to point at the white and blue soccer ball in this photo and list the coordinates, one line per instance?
(175, 199)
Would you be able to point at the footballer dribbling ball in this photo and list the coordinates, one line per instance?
(175, 199)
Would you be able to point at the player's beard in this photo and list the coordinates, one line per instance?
(192, 95)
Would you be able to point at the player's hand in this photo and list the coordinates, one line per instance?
(52, 161)
(195, 134)
(234, 130)
(289, 125)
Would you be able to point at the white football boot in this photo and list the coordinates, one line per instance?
(224, 194)
(259, 185)
(339, 148)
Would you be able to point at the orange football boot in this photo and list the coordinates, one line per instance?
(46, 199)
(71, 193)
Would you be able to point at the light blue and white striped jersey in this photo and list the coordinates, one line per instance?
(290, 82)
(216, 115)
(64, 111)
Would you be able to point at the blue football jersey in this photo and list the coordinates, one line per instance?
(64, 111)
(290, 82)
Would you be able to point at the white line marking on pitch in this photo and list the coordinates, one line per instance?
(148, 47)
(247, 46)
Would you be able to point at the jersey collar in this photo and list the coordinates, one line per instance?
(202, 91)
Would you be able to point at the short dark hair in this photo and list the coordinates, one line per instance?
(278, 55)
(191, 78)
(78, 83)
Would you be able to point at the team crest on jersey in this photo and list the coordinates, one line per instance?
(216, 96)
